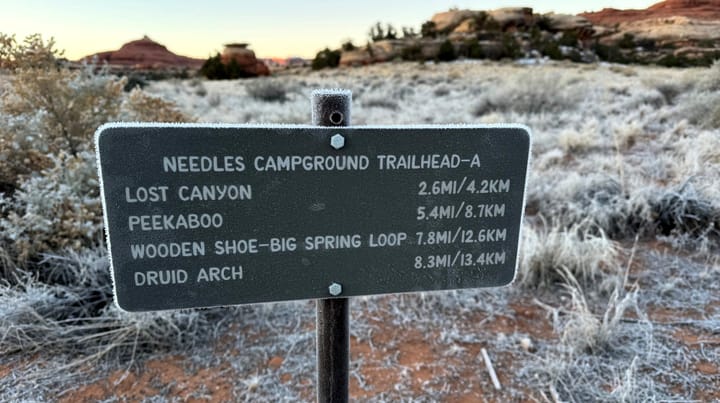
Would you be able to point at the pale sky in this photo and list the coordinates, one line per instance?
(273, 28)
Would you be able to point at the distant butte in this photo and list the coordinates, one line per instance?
(697, 9)
(145, 54)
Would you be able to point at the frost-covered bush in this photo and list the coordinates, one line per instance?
(685, 212)
(49, 196)
(65, 106)
(595, 203)
(267, 90)
(703, 106)
(49, 109)
(32, 52)
(530, 93)
(58, 208)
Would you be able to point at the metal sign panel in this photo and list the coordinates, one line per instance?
(207, 215)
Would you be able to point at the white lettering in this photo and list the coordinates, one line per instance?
(161, 222)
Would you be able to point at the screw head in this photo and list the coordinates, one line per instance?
(337, 141)
(335, 289)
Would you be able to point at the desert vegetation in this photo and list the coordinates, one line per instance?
(512, 33)
(617, 287)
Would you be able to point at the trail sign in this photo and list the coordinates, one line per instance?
(208, 215)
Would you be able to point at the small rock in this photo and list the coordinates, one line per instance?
(275, 362)
(527, 345)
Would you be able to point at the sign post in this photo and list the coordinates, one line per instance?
(332, 108)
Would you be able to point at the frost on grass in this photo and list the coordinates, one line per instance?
(530, 93)
(56, 209)
(268, 90)
(703, 105)
(550, 255)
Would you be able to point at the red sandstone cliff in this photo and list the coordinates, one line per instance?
(145, 54)
(697, 9)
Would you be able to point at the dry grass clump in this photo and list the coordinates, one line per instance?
(549, 255)
(267, 90)
(594, 203)
(685, 212)
(70, 311)
(703, 106)
(530, 93)
(599, 205)
(585, 332)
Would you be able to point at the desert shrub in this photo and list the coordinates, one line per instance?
(627, 41)
(609, 53)
(597, 204)
(348, 46)
(702, 107)
(551, 49)
(200, 90)
(428, 30)
(471, 49)
(569, 38)
(47, 108)
(710, 81)
(32, 52)
(214, 100)
(48, 115)
(267, 90)
(510, 47)
(575, 141)
(671, 60)
(446, 52)
(683, 211)
(213, 68)
(670, 90)
(531, 93)
(412, 52)
(646, 43)
(135, 81)
(57, 110)
(326, 58)
(543, 23)
(59, 208)
(65, 105)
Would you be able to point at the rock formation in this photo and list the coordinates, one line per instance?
(144, 54)
(245, 59)
(448, 20)
(679, 29)
(694, 9)
(671, 33)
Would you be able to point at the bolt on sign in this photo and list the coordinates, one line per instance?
(209, 215)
